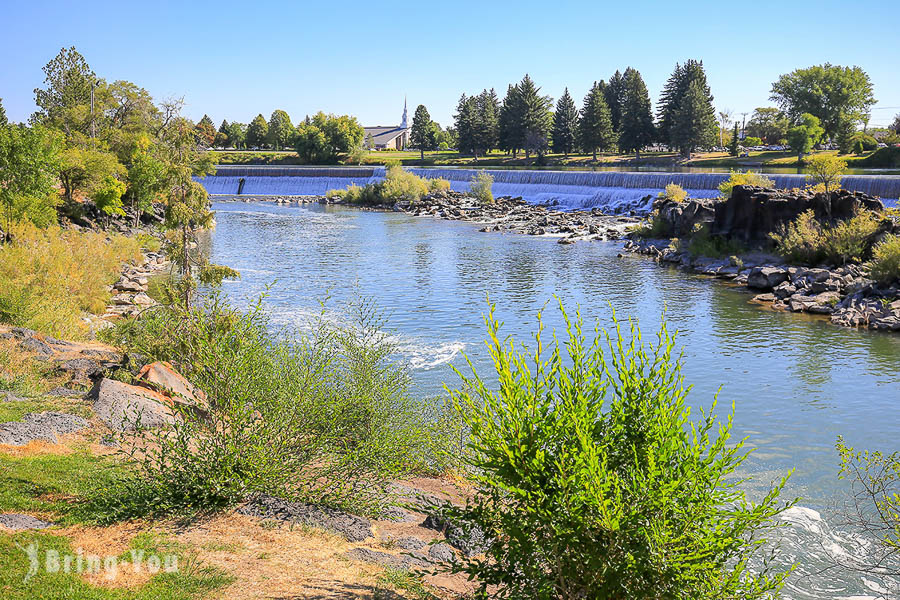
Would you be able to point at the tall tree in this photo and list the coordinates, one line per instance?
(467, 125)
(595, 125)
(257, 132)
(281, 132)
(222, 135)
(3, 120)
(830, 92)
(896, 124)
(694, 125)
(806, 134)
(636, 128)
(565, 124)
(735, 141)
(65, 101)
(237, 134)
(615, 98)
(509, 138)
(206, 131)
(83, 168)
(687, 128)
(488, 122)
(769, 124)
(422, 134)
(533, 118)
(28, 163)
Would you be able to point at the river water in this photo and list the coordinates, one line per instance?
(798, 382)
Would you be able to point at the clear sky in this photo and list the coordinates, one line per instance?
(233, 60)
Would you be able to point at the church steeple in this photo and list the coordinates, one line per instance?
(403, 124)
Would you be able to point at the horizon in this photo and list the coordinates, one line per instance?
(366, 71)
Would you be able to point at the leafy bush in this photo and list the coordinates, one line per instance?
(594, 482)
(863, 142)
(38, 210)
(748, 178)
(704, 244)
(398, 185)
(673, 192)
(850, 241)
(883, 157)
(826, 169)
(438, 185)
(654, 228)
(805, 240)
(325, 418)
(481, 187)
(885, 265)
(50, 277)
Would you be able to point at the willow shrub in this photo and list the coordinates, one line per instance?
(397, 185)
(50, 277)
(743, 178)
(324, 418)
(805, 240)
(591, 480)
(885, 265)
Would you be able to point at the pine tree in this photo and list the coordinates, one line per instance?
(533, 119)
(508, 132)
(467, 125)
(694, 123)
(673, 132)
(615, 99)
(206, 131)
(422, 134)
(636, 128)
(565, 125)
(733, 144)
(596, 130)
(281, 132)
(488, 126)
(257, 132)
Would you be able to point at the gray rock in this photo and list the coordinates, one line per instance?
(352, 527)
(410, 543)
(384, 559)
(441, 552)
(766, 278)
(64, 392)
(398, 515)
(10, 397)
(40, 426)
(19, 521)
(122, 406)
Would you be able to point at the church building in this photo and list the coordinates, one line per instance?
(389, 137)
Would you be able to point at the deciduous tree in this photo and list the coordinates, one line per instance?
(770, 124)
(281, 132)
(29, 159)
(81, 169)
(805, 135)
(832, 93)
(257, 132)
(206, 131)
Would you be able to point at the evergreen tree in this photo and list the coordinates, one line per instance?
(596, 130)
(281, 132)
(636, 127)
(222, 135)
(68, 84)
(257, 132)
(532, 118)
(422, 134)
(615, 99)
(488, 125)
(694, 124)
(467, 125)
(509, 139)
(206, 131)
(671, 130)
(3, 120)
(733, 144)
(565, 125)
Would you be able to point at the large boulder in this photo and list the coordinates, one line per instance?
(122, 407)
(767, 278)
(752, 213)
(682, 217)
(162, 377)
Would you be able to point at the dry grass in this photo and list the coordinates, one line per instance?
(49, 277)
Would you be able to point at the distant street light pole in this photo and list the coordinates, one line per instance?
(93, 84)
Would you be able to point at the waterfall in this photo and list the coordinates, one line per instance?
(611, 191)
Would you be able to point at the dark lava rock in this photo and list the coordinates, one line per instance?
(398, 515)
(352, 527)
(410, 543)
(17, 521)
(384, 559)
(470, 539)
(682, 217)
(441, 552)
(64, 392)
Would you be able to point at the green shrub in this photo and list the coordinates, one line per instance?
(673, 192)
(885, 265)
(863, 142)
(438, 185)
(801, 240)
(593, 481)
(325, 418)
(481, 187)
(653, 228)
(748, 178)
(398, 185)
(883, 158)
(851, 240)
(704, 244)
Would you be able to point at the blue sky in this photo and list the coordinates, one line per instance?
(233, 60)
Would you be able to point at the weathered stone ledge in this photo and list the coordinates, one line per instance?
(844, 294)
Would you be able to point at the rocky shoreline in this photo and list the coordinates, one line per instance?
(843, 294)
(505, 214)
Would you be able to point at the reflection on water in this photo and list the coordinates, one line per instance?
(797, 382)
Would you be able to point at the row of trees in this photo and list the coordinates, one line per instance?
(112, 143)
(617, 115)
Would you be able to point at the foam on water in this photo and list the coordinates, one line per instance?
(614, 192)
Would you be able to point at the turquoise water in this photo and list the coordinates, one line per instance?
(798, 382)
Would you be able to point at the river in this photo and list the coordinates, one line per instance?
(798, 382)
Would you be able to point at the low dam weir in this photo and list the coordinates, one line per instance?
(614, 192)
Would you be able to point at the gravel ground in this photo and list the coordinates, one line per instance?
(40, 426)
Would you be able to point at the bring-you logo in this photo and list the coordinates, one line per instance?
(50, 560)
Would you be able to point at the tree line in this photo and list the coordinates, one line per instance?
(617, 115)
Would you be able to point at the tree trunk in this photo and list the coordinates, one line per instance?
(595, 155)
(422, 153)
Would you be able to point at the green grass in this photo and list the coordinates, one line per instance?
(402, 581)
(15, 411)
(191, 580)
(54, 484)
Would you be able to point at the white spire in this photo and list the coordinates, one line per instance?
(403, 120)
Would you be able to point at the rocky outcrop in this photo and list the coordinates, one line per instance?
(126, 407)
(43, 426)
(752, 213)
(130, 291)
(353, 527)
(844, 294)
(162, 377)
(682, 218)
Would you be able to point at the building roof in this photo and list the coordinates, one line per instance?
(383, 135)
